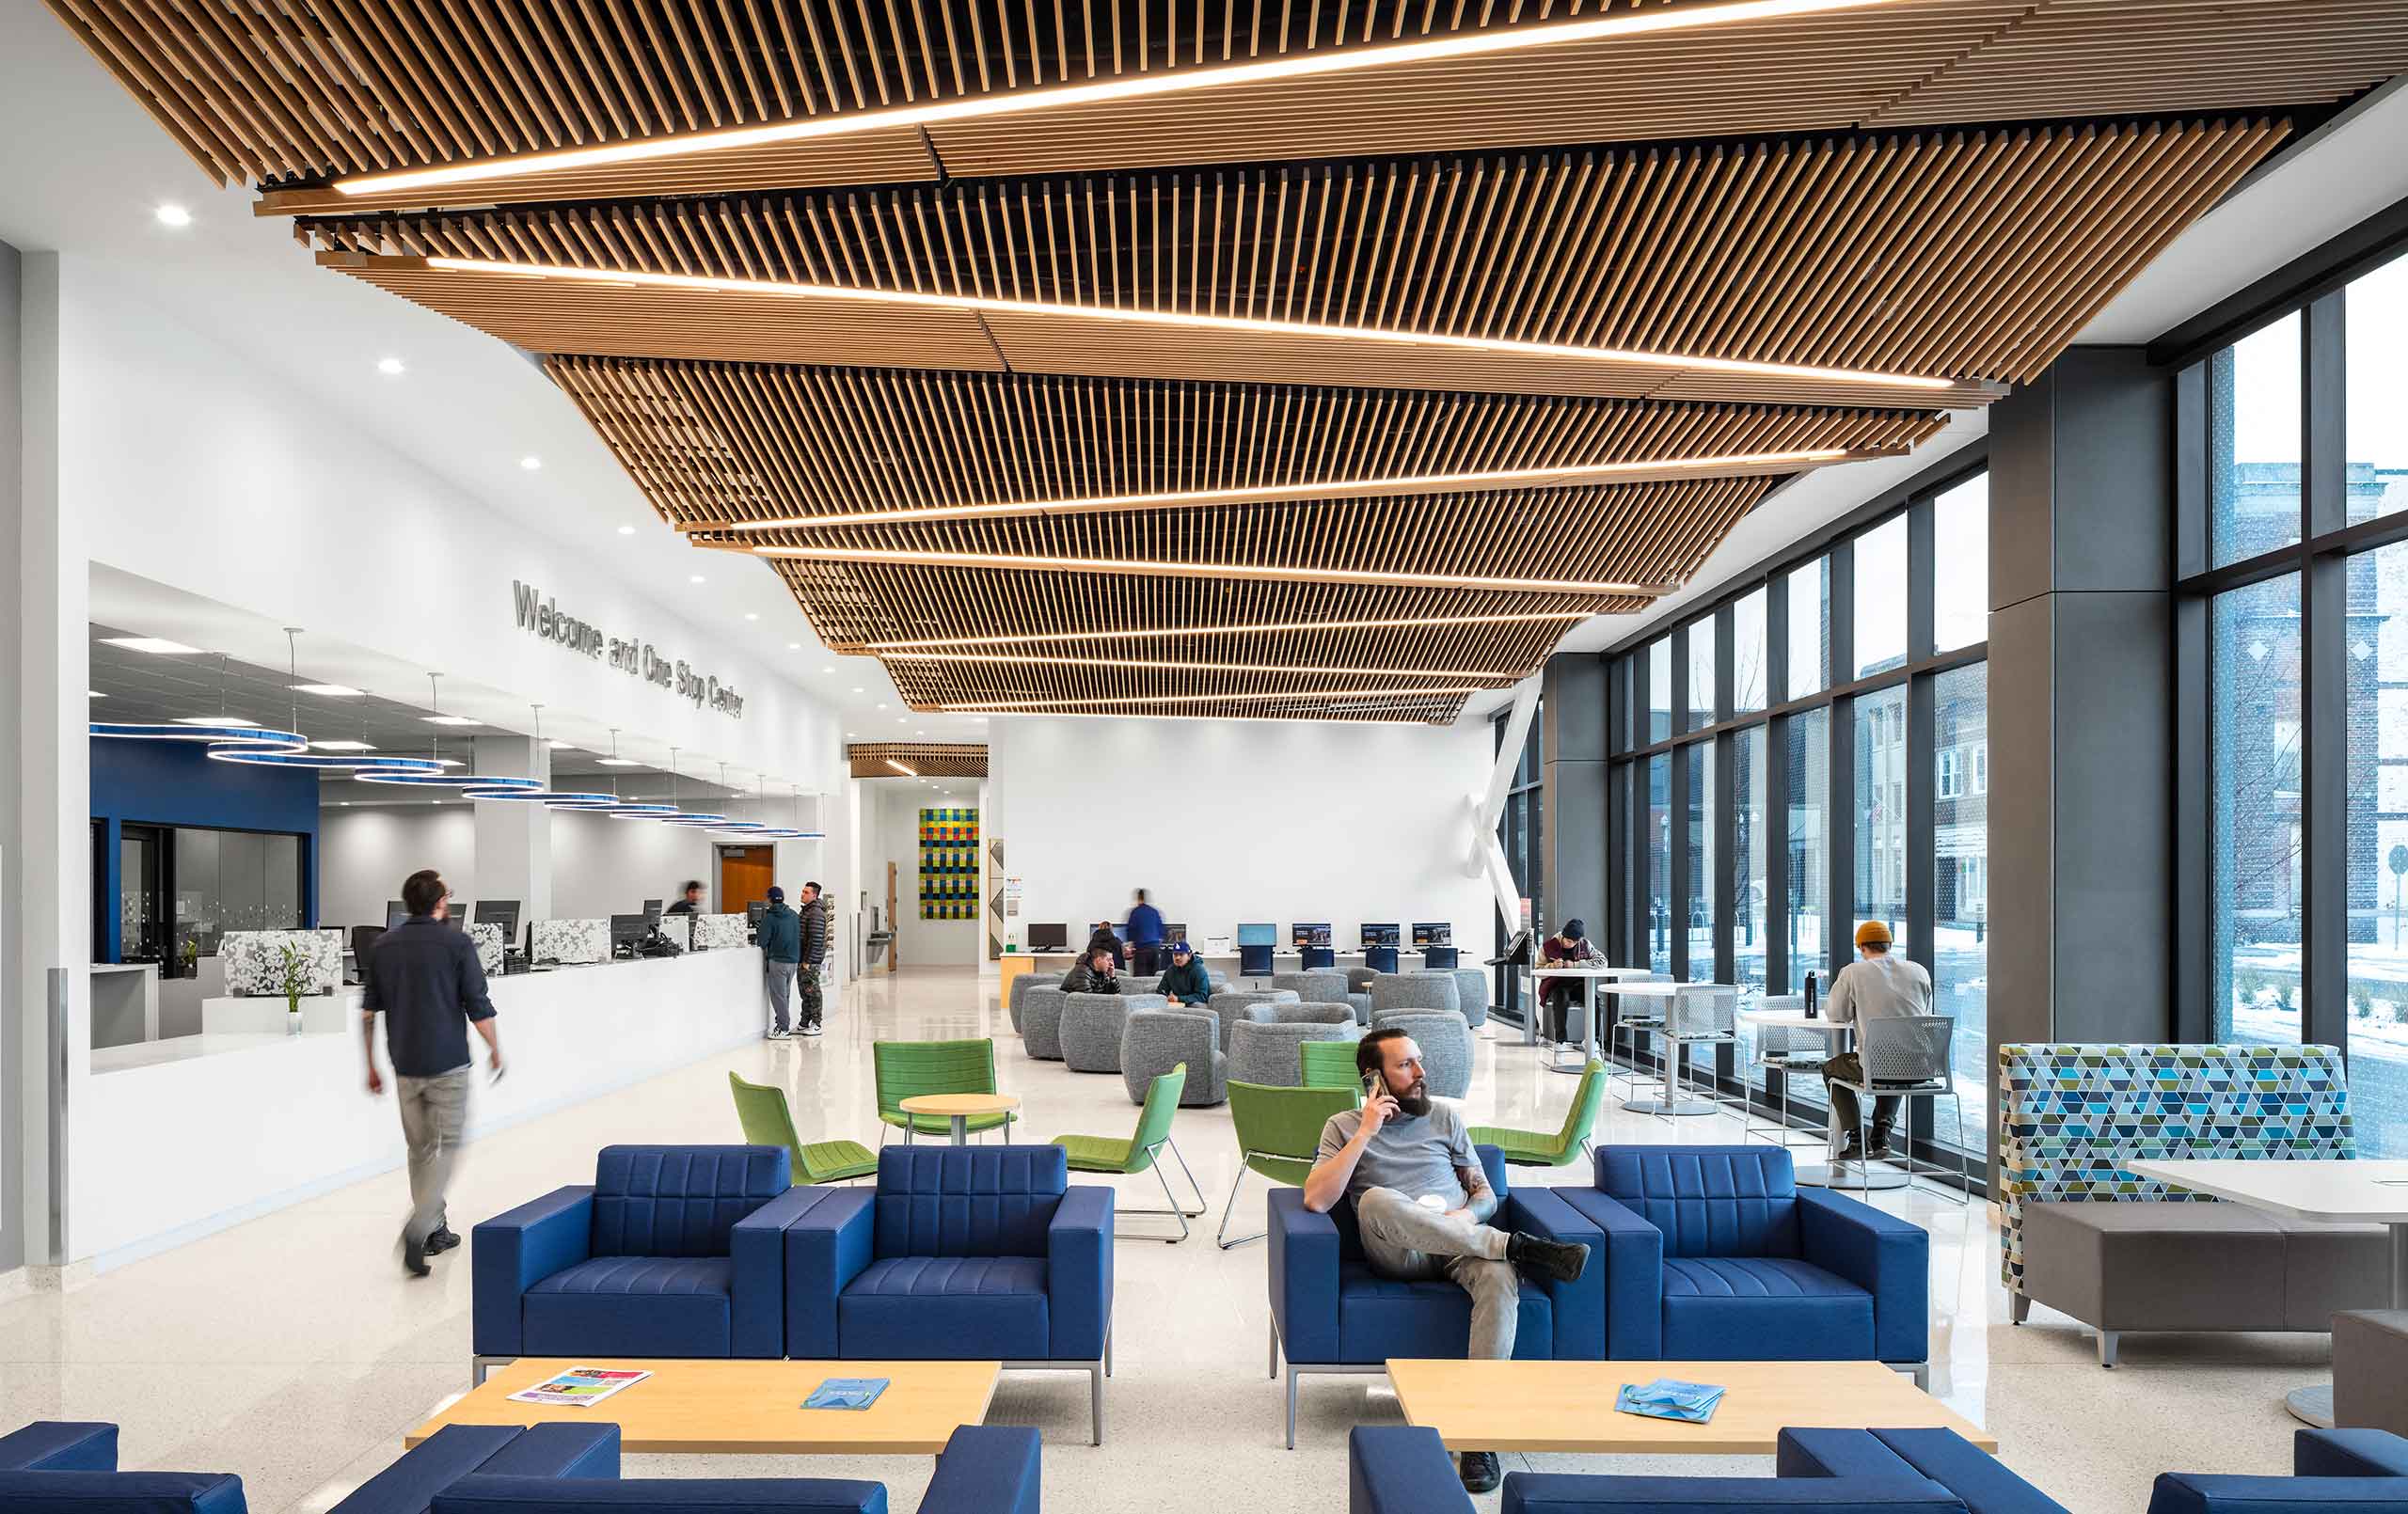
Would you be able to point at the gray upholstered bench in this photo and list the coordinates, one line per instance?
(2177, 1266)
(2370, 1370)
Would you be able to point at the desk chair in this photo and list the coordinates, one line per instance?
(1254, 962)
(1633, 1018)
(1906, 1057)
(1380, 958)
(1792, 1054)
(1278, 1136)
(763, 1115)
(1439, 956)
(1318, 957)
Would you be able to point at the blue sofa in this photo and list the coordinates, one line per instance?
(1715, 1254)
(2366, 1471)
(1403, 1469)
(52, 1465)
(1330, 1312)
(959, 1252)
(672, 1250)
(503, 1469)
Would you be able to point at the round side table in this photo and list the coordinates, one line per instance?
(958, 1107)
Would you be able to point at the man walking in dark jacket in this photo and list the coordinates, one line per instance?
(424, 979)
(781, 938)
(815, 955)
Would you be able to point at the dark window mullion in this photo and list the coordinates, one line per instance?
(1839, 825)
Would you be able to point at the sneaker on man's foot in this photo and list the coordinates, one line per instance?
(1481, 1473)
(1559, 1260)
(444, 1238)
(414, 1258)
(812, 1028)
(773, 1034)
(1880, 1146)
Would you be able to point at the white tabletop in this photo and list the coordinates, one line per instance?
(1585, 970)
(1794, 1019)
(1664, 990)
(2344, 1191)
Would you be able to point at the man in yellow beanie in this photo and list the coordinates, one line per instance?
(1877, 985)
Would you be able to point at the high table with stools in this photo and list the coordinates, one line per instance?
(1569, 1405)
(1591, 975)
(1671, 1103)
(1868, 1173)
(2339, 1190)
(958, 1107)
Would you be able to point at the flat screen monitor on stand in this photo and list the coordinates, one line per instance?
(627, 932)
(1174, 931)
(1379, 936)
(1049, 937)
(395, 912)
(1433, 933)
(501, 912)
(652, 911)
(1314, 933)
(1258, 936)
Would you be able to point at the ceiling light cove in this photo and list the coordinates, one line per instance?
(901, 768)
(1641, 470)
(1219, 570)
(382, 186)
(978, 304)
(1292, 696)
(1260, 628)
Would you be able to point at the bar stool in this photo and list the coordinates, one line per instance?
(1636, 1023)
(1789, 1051)
(1709, 1017)
(1905, 1057)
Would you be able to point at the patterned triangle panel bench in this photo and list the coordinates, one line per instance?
(2083, 1235)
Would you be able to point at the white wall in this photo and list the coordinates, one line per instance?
(601, 866)
(1229, 821)
(365, 852)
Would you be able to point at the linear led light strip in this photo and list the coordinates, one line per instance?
(901, 768)
(1270, 493)
(1307, 694)
(1265, 628)
(1209, 570)
(986, 305)
(1206, 667)
(1352, 60)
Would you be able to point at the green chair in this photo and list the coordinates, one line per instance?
(1560, 1149)
(766, 1122)
(1278, 1136)
(1331, 1064)
(907, 1069)
(1131, 1155)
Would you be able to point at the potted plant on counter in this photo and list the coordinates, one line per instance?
(295, 984)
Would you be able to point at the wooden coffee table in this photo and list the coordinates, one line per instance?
(1569, 1406)
(746, 1408)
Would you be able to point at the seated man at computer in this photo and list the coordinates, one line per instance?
(1095, 974)
(1187, 983)
(1422, 1205)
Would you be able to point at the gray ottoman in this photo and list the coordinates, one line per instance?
(1264, 1052)
(1153, 1041)
(1021, 987)
(1240, 1004)
(2370, 1370)
(1040, 1023)
(1414, 990)
(1304, 1012)
(1091, 1028)
(1446, 1044)
(1322, 985)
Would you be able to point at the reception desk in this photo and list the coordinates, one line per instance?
(169, 1139)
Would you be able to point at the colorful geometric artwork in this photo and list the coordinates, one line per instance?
(949, 864)
(2071, 1115)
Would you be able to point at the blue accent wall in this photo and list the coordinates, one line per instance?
(174, 783)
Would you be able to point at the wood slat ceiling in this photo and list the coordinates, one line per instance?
(305, 91)
(713, 444)
(927, 759)
(1965, 255)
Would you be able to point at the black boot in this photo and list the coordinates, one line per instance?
(1557, 1260)
(442, 1240)
(1480, 1472)
(414, 1258)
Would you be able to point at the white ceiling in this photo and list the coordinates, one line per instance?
(83, 171)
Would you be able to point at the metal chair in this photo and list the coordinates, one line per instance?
(1709, 1018)
(1630, 1019)
(1904, 1057)
(1137, 1152)
(1790, 1053)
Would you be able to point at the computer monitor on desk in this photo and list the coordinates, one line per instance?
(1379, 936)
(1175, 931)
(395, 912)
(501, 912)
(625, 931)
(1049, 937)
(1433, 933)
(1309, 933)
(652, 911)
(1258, 936)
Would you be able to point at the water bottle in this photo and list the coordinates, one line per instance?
(1811, 1010)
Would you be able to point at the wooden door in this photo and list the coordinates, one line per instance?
(745, 873)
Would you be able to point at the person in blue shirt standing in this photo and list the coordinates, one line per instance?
(1146, 936)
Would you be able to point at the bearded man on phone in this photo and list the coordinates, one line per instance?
(1422, 1205)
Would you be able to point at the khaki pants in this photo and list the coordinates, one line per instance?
(1843, 1103)
(433, 1110)
(1405, 1241)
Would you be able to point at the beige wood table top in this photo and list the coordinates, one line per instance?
(1569, 1406)
(960, 1104)
(746, 1408)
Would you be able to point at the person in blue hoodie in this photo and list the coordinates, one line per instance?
(1145, 932)
(1187, 983)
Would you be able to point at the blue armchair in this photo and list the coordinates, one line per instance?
(1330, 1312)
(1714, 1254)
(673, 1251)
(960, 1252)
(63, 1465)
(1401, 1468)
(2366, 1471)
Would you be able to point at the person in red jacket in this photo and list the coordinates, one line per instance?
(1569, 946)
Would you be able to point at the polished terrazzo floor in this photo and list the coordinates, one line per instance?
(290, 1350)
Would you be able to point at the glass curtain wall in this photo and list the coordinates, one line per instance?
(1822, 733)
(2294, 616)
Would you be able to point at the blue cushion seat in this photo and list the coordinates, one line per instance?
(633, 1306)
(1773, 1308)
(939, 1307)
(1379, 1317)
(122, 1492)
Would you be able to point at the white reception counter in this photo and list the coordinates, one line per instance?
(173, 1138)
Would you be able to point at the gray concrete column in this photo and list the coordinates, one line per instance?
(2081, 703)
(1572, 753)
(514, 839)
